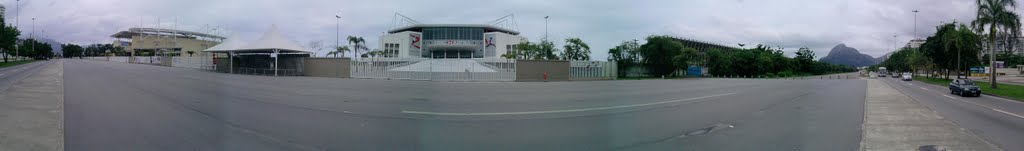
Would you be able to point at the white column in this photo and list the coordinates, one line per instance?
(275, 61)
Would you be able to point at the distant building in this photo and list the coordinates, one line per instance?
(914, 43)
(1003, 45)
(168, 42)
(416, 40)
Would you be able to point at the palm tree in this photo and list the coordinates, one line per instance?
(338, 50)
(995, 15)
(190, 52)
(358, 43)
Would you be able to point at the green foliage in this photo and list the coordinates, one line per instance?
(996, 14)
(626, 54)
(35, 49)
(72, 50)
(952, 48)
(8, 38)
(545, 50)
(576, 49)
(765, 61)
(658, 54)
(357, 43)
(338, 50)
(100, 49)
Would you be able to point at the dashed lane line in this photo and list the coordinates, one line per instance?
(558, 111)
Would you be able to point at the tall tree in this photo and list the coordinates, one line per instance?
(546, 50)
(339, 50)
(658, 54)
(575, 49)
(357, 43)
(805, 59)
(625, 55)
(996, 14)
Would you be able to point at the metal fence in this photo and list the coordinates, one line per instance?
(592, 70)
(267, 71)
(197, 62)
(435, 69)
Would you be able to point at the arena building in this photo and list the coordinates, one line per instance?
(416, 40)
(169, 42)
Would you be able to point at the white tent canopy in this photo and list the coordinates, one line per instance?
(273, 40)
(229, 44)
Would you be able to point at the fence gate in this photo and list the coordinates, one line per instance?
(434, 69)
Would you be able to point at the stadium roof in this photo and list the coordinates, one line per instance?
(160, 31)
(487, 28)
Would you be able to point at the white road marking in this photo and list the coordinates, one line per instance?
(559, 111)
(1005, 112)
(982, 105)
(922, 88)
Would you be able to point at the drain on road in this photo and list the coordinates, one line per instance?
(707, 130)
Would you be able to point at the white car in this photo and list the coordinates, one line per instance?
(907, 77)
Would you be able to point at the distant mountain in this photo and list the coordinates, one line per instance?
(53, 44)
(843, 55)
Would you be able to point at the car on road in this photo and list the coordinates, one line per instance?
(907, 77)
(964, 87)
(881, 74)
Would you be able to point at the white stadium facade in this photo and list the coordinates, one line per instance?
(449, 41)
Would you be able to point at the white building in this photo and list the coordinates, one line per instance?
(449, 41)
(915, 43)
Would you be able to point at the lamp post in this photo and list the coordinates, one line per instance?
(32, 34)
(546, 28)
(915, 24)
(337, 32)
(17, 22)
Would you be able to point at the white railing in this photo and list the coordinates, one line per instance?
(435, 69)
(197, 62)
(592, 70)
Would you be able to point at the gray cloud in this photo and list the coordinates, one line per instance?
(818, 24)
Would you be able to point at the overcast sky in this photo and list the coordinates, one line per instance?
(868, 25)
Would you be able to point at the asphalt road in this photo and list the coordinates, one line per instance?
(996, 120)
(11, 75)
(117, 106)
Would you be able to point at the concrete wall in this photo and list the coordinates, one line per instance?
(327, 67)
(533, 70)
(166, 61)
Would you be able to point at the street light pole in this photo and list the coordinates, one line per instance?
(915, 24)
(337, 32)
(546, 28)
(17, 22)
(32, 34)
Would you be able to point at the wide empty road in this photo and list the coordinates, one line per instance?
(999, 121)
(117, 106)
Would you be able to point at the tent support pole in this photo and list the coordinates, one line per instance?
(275, 61)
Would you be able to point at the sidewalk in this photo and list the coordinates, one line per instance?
(893, 121)
(32, 111)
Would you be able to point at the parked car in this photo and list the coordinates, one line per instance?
(964, 87)
(907, 77)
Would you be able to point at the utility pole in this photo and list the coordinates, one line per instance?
(32, 34)
(915, 24)
(546, 28)
(337, 32)
(16, 25)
